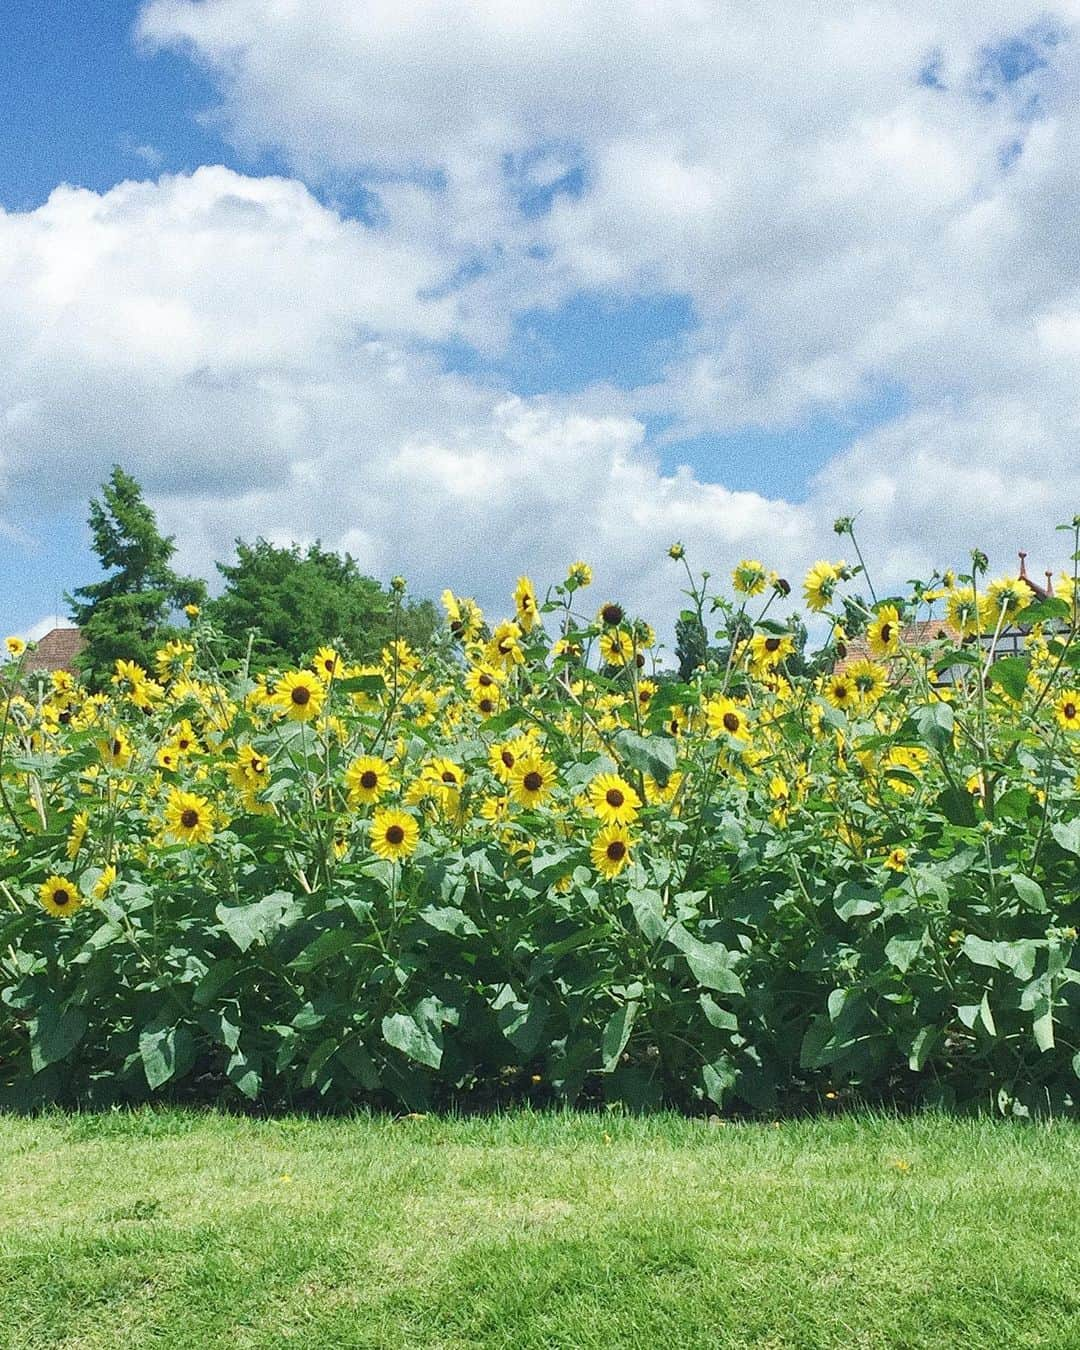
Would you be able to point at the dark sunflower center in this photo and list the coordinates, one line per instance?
(840, 692)
(614, 797)
(507, 758)
(449, 776)
(183, 744)
(369, 779)
(301, 695)
(395, 835)
(487, 705)
(1069, 710)
(533, 781)
(612, 614)
(731, 722)
(258, 765)
(772, 644)
(61, 897)
(886, 632)
(189, 818)
(485, 681)
(457, 628)
(616, 851)
(118, 747)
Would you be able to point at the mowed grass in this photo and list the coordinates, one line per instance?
(197, 1230)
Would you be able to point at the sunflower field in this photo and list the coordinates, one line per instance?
(530, 863)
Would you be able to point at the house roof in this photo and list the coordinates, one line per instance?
(57, 650)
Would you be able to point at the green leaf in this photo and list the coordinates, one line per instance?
(957, 806)
(521, 1022)
(1030, 893)
(1010, 674)
(244, 1074)
(854, 900)
(1040, 611)
(449, 919)
(710, 962)
(981, 952)
(1043, 1025)
(418, 1034)
(924, 1041)
(617, 1033)
(720, 1077)
(325, 946)
(649, 913)
(902, 951)
(54, 1034)
(246, 924)
(1068, 836)
(935, 724)
(653, 755)
(166, 1052)
(716, 1016)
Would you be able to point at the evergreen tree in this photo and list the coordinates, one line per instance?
(295, 601)
(126, 614)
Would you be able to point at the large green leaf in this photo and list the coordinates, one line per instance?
(246, 924)
(166, 1052)
(654, 755)
(617, 1033)
(54, 1033)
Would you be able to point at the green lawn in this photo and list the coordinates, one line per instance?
(188, 1230)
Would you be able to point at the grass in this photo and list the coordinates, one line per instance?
(180, 1229)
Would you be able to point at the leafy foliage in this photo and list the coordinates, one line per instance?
(518, 863)
(294, 600)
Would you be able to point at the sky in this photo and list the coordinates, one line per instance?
(471, 288)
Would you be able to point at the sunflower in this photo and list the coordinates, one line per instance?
(251, 768)
(299, 695)
(841, 691)
(503, 757)
(610, 851)
(532, 780)
(59, 896)
(725, 717)
(676, 552)
(174, 659)
(189, 819)
(579, 575)
(646, 692)
(525, 604)
(883, 633)
(185, 739)
(367, 779)
(611, 614)
(483, 680)
(487, 705)
(15, 646)
(443, 776)
(167, 758)
(616, 647)
(504, 649)
(769, 650)
(896, 860)
(962, 611)
(749, 577)
(394, 835)
(820, 585)
(1004, 598)
(104, 883)
(116, 751)
(326, 663)
(1067, 710)
(780, 796)
(870, 679)
(613, 800)
(79, 825)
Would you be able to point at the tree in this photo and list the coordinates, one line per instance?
(125, 616)
(295, 601)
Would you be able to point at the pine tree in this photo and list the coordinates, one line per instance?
(125, 616)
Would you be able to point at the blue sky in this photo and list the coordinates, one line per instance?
(638, 277)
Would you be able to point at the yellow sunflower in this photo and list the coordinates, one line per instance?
(841, 692)
(896, 860)
(532, 780)
(616, 647)
(394, 835)
(749, 577)
(367, 779)
(59, 896)
(820, 585)
(15, 646)
(503, 757)
(525, 604)
(483, 680)
(610, 850)
(504, 649)
(116, 751)
(612, 799)
(1067, 709)
(725, 717)
(189, 819)
(870, 679)
(299, 695)
(883, 633)
(79, 825)
(1004, 598)
(962, 611)
(579, 575)
(326, 664)
(104, 883)
(769, 650)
